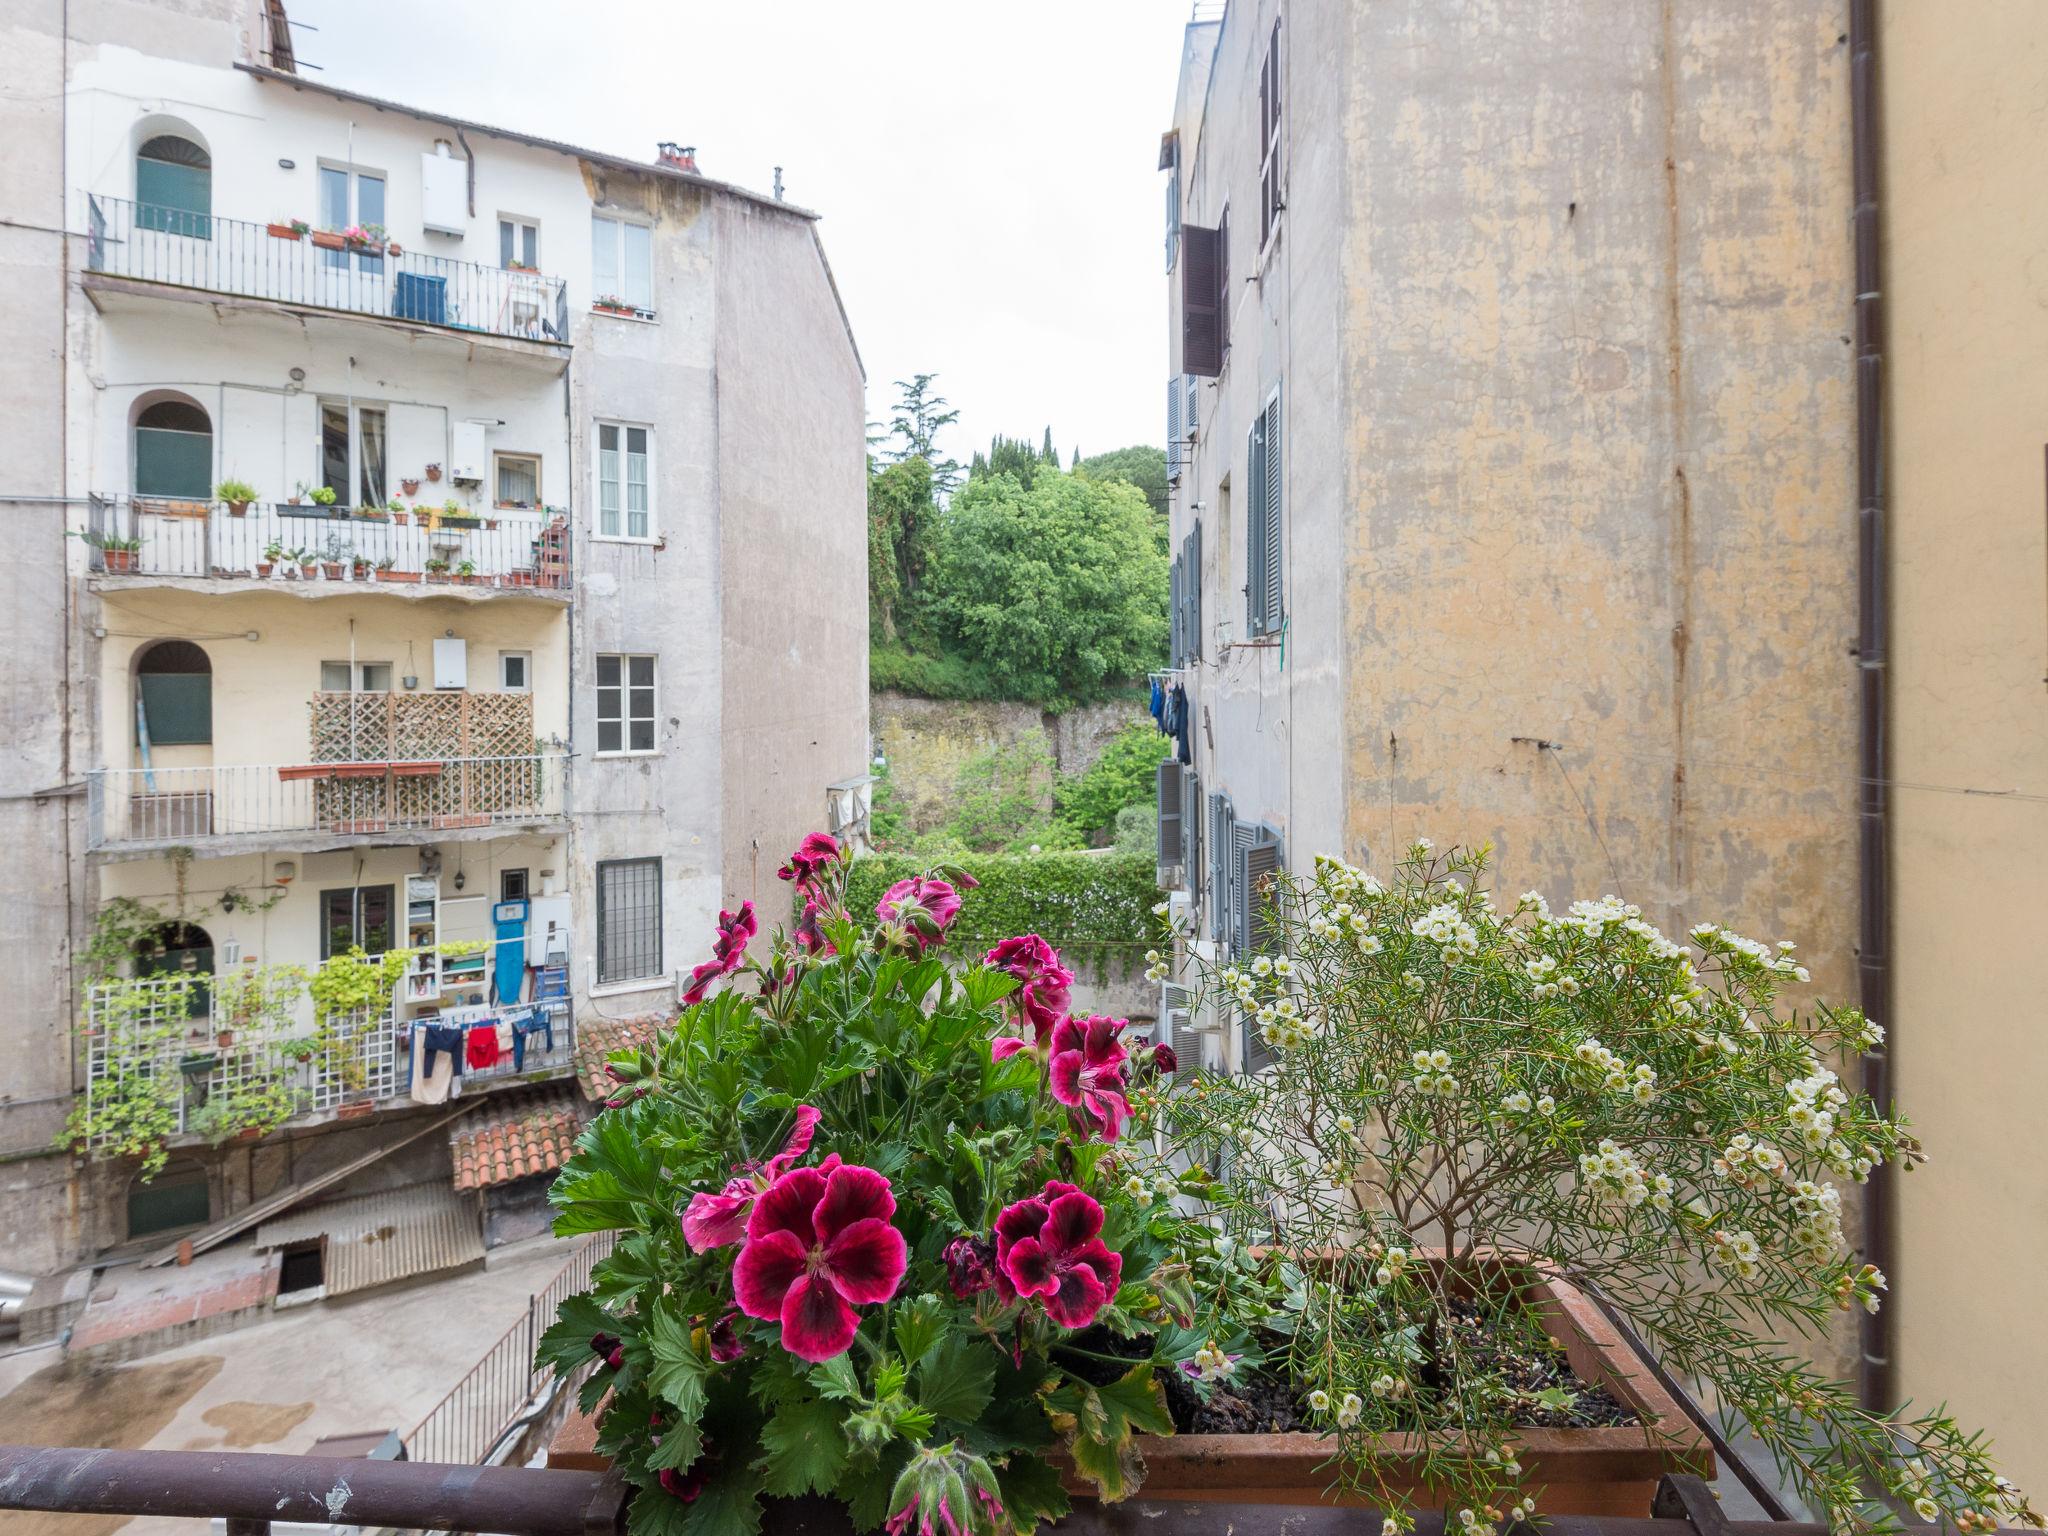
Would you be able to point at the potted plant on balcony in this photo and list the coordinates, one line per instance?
(289, 229)
(611, 304)
(306, 560)
(335, 557)
(331, 239)
(911, 1213)
(437, 570)
(272, 553)
(298, 495)
(118, 555)
(466, 573)
(237, 494)
(455, 515)
(410, 487)
(1468, 1116)
(360, 565)
(433, 474)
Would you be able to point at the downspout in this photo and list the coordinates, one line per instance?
(1877, 1377)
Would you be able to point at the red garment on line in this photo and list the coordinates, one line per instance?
(482, 1046)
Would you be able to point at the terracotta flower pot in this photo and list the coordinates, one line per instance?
(329, 240)
(402, 519)
(1603, 1471)
(264, 568)
(355, 1109)
(410, 487)
(402, 577)
(283, 232)
(433, 472)
(238, 509)
(331, 569)
(118, 562)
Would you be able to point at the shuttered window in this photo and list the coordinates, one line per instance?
(175, 681)
(1221, 822)
(1257, 860)
(1191, 561)
(1170, 834)
(1223, 287)
(628, 920)
(1263, 589)
(1176, 1016)
(1201, 279)
(1270, 118)
(174, 187)
(1176, 401)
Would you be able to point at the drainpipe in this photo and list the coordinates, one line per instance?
(1877, 1377)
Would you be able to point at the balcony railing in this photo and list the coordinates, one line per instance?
(170, 1041)
(140, 808)
(497, 551)
(380, 279)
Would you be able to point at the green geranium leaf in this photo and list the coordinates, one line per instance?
(566, 1344)
(678, 1373)
(729, 1506)
(957, 1379)
(803, 1448)
(918, 1326)
(1138, 1400)
(681, 1444)
(614, 1177)
(1031, 1491)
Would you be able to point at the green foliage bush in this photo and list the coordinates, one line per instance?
(1125, 774)
(1144, 467)
(1137, 831)
(1058, 592)
(998, 804)
(1074, 901)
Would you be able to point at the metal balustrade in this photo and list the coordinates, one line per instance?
(469, 1423)
(525, 552)
(321, 271)
(136, 809)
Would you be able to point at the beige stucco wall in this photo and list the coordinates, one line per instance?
(1966, 298)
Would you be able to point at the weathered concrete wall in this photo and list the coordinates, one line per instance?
(928, 741)
(792, 554)
(1966, 297)
(1556, 312)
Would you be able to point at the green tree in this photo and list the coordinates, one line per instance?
(1058, 592)
(914, 426)
(902, 530)
(999, 803)
(1144, 467)
(1123, 775)
(1010, 456)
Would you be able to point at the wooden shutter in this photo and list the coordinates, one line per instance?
(1258, 860)
(1243, 836)
(1169, 787)
(1192, 591)
(1219, 866)
(1270, 523)
(1255, 527)
(1222, 285)
(1176, 1014)
(1201, 339)
(1176, 399)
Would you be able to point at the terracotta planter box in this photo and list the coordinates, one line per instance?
(329, 240)
(355, 1109)
(1609, 1471)
(398, 576)
(282, 232)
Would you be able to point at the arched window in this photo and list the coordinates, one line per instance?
(174, 187)
(174, 451)
(175, 680)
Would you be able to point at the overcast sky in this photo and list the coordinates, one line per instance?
(986, 172)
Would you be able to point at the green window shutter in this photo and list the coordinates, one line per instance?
(178, 707)
(175, 199)
(1255, 528)
(1194, 592)
(1258, 860)
(1269, 562)
(171, 463)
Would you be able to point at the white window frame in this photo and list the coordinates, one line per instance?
(351, 495)
(498, 457)
(525, 658)
(642, 307)
(517, 222)
(341, 261)
(653, 534)
(625, 717)
(357, 671)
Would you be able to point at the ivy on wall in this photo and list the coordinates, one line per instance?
(1087, 905)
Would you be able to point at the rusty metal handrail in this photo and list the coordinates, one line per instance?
(251, 1489)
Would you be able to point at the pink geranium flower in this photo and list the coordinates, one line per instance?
(1042, 997)
(810, 931)
(925, 907)
(818, 1245)
(1087, 1071)
(810, 860)
(712, 1221)
(728, 949)
(1051, 1246)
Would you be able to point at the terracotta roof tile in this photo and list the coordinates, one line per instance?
(598, 1039)
(518, 1134)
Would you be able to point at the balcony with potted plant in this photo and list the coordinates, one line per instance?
(962, 1262)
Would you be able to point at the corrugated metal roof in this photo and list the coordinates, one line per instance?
(393, 1235)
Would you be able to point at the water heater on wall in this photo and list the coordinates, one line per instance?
(451, 663)
(466, 452)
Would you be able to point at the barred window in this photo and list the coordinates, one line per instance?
(628, 920)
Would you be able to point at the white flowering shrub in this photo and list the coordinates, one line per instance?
(1455, 1081)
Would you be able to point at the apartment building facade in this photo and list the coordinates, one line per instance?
(407, 514)
(1533, 438)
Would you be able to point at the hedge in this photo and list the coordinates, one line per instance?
(1074, 901)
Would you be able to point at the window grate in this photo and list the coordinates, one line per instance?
(628, 920)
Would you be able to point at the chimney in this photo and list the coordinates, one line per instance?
(677, 157)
